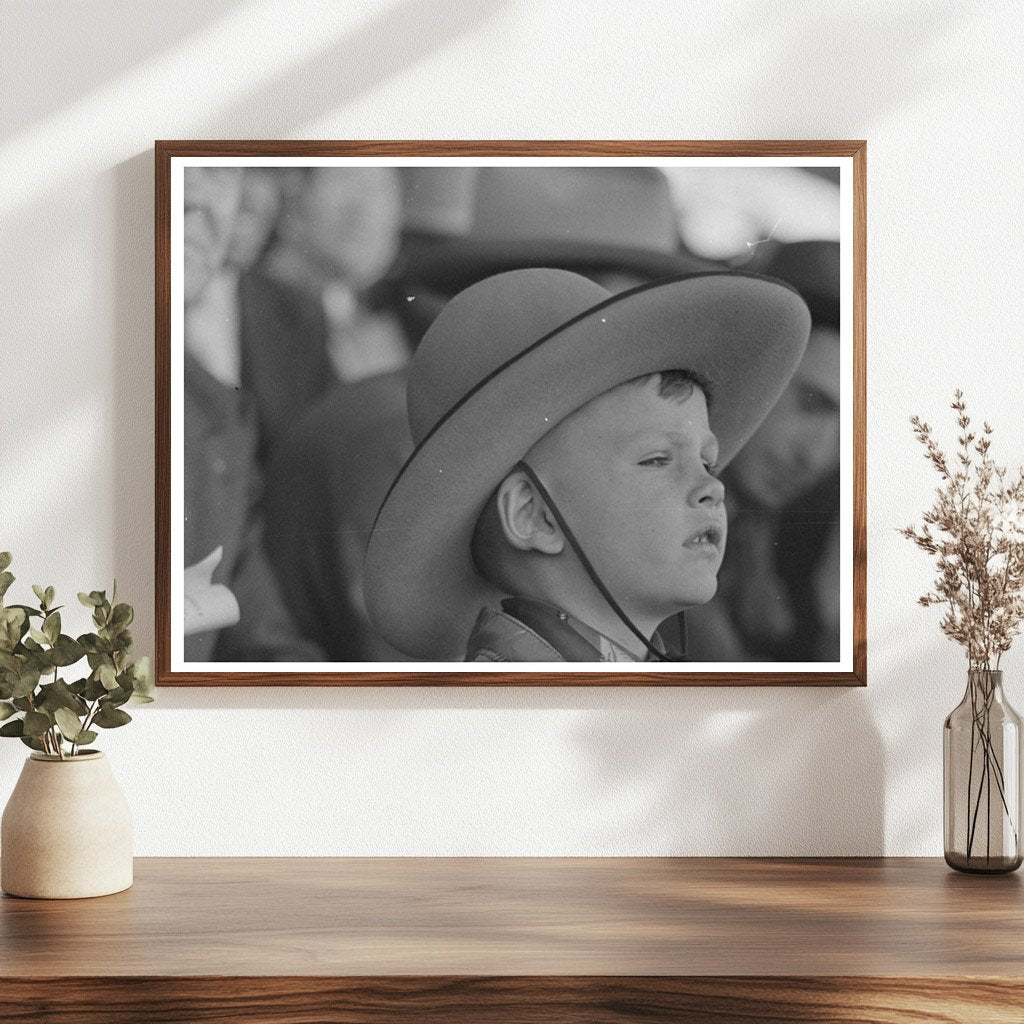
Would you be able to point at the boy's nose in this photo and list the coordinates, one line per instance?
(710, 491)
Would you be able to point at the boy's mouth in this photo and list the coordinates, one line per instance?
(708, 540)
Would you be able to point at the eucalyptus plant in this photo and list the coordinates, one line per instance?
(46, 712)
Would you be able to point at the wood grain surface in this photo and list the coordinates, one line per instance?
(522, 939)
(530, 1000)
(166, 150)
(503, 916)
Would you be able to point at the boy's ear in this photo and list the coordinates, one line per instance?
(525, 520)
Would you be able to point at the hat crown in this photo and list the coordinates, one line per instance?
(621, 207)
(617, 206)
(483, 328)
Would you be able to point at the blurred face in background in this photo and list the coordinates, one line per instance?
(797, 446)
(212, 196)
(258, 210)
(347, 220)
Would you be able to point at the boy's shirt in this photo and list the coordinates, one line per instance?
(526, 630)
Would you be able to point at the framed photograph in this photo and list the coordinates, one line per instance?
(492, 413)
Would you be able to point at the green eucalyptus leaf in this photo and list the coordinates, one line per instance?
(36, 723)
(94, 689)
(51, 627)
(9, 662)
(31, 741)
(40, 592)
(88, 641)
(27, 681)
(5, 559)
(13, 728)
(6, 710)
(107, 676)
(142, 678)
(66, 651)
(89, 600)
(6, 579)
(115, 698)
(141, 698)
(29, 611)
(96, 660)
(69, 724)
(38, 636)
(101, 650)
(125, 640)
(12, 627)
(33, 654)
(77, 687)
(122, 616)
(86, 736)
(50, 594)
(39, 659)
(58, 695)
(22, 703)
(110, 718)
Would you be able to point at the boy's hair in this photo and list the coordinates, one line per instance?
(676, 383)
(488, 545)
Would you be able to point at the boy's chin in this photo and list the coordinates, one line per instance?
(698, 594)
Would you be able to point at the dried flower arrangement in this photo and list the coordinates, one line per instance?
(975, 529)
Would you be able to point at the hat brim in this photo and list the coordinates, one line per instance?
(449, 265)
(743, 333)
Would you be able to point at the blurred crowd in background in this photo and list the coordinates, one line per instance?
(306, 292)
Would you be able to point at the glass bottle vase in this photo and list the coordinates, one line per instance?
(981, 774)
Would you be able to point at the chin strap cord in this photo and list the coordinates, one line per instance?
(592, 572)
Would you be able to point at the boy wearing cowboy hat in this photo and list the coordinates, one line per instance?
(616, 225)
(552, 444)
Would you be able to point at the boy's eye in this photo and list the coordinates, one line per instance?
(664, 460)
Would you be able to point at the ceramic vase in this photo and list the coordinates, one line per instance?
(66, 831)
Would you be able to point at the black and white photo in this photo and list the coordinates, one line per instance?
(482, 415)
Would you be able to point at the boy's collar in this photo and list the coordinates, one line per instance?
(543, 616)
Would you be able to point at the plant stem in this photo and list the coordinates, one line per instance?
(982, 698)
(972, 834)
(988, 810)
(58, 740)
(970, 767)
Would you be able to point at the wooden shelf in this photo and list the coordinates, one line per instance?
(485, 940)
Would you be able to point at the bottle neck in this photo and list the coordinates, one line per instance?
(985, 682)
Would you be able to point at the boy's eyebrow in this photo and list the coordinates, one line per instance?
(645, 433)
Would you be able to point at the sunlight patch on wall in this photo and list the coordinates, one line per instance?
(188, 78)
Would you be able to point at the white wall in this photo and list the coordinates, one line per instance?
(936, 88)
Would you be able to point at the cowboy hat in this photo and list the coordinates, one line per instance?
(465, 224)
(510, 357)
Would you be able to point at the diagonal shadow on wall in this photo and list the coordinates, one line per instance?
(41, 60)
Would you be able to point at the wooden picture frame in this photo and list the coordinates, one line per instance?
(842, 163)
